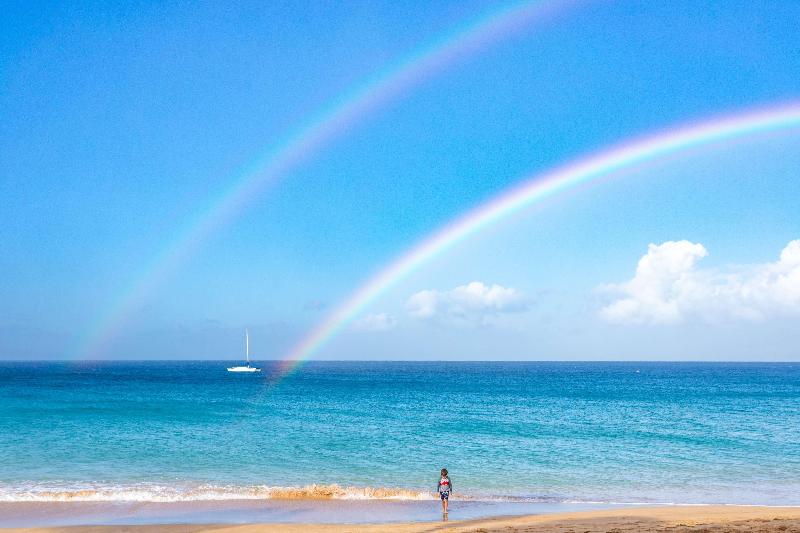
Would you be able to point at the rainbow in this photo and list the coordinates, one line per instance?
(335, 120)
(534, 189)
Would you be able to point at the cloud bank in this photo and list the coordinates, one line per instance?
(668, 288)
(375, 322)
(472, 302)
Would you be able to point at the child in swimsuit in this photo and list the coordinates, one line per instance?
(444, 488)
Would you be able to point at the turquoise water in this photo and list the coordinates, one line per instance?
(533, 432)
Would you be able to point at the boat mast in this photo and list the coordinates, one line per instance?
(247, 345)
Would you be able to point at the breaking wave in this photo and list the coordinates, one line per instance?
(162, 493)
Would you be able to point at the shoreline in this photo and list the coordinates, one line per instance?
(708, 519)
(251, 511)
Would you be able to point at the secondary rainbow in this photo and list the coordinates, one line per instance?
(534, 189)
(333, 121)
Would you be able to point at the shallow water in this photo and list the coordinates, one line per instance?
(29, 514)
(516, 433)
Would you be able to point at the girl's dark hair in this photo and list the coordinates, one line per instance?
(444, 471)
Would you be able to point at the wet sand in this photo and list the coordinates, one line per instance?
(673, 519)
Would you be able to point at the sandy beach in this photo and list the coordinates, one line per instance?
(674, 519)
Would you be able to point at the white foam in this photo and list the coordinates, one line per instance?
(161, 493)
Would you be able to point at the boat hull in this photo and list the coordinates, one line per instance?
(243, 369)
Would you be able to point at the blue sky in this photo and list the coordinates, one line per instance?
(120, 123)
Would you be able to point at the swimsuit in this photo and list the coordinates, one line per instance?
(444, 488)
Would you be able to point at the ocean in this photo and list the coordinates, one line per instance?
(533, 433)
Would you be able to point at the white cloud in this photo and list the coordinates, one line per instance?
(668, 287)
(375, 322)
(474, 301)
(423, 304)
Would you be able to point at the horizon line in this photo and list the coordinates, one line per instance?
(748, 361)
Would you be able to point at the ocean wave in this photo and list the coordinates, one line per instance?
(158, 493)
(161, 493)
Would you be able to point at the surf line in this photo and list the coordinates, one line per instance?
(535, 188)
(334, 121)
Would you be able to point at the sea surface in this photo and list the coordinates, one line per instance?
(537, 433)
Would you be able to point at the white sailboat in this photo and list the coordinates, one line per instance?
(247, 368)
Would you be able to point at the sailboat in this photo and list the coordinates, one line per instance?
(247, 368)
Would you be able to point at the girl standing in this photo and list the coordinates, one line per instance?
(444, 488)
